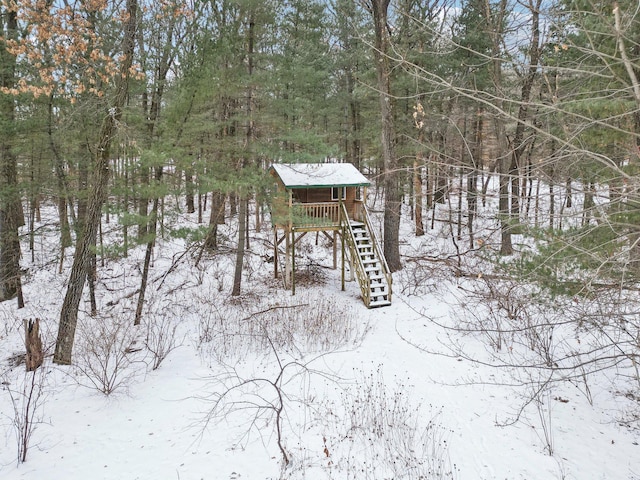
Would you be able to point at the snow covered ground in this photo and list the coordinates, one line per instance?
(339, 391)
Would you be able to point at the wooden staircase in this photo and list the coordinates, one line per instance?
(368, 262)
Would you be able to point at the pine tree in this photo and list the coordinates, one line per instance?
(10, 209)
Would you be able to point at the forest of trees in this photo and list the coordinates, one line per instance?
(109, 107)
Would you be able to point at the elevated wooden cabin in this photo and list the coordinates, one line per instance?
(329, 198)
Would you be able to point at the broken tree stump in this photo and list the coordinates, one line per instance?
(33, 343)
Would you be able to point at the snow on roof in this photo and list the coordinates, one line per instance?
(315, 175)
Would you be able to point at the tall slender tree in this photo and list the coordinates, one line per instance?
(245, 156)
(97, 195)
(391, 178)
(168, 33)
(10, 211)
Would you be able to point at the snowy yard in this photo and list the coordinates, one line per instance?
(245, 385)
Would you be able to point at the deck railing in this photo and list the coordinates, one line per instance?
(315, 215)
(366, 219)
(309, 215)
(356, 261)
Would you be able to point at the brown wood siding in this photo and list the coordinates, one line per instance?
(315, 195)
(350, 201)
(301, 195)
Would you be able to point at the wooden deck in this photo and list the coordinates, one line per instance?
(313, 216)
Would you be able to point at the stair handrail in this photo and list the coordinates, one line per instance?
(356, 261)
(376, 247)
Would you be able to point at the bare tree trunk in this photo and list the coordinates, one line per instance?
(392, 190)
(417, 194)
(569, 193)
(153, 225)
(588, 203)
(552, 205)
(536, 208)
(97, 195)
(633, 73)
(472, 177)
(518, 144)
(459, 205)
(152, 114)
(506, 247)
(143, 202)
(10, 283)
(61, 179)
(10, 206)
(190, 190)
(494, 16)
(216, 217)
(242, 232)
(243, 194)
(83, 186)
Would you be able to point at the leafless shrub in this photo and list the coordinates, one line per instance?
(219, 275)
(508, 314)
(542, 402)
(105, 353)
(381, 434)
(417, 277)
(289, 323)
(27, 398)
(264, 399)
(478, 314)
(9, 322)
(161, 325)
(161, 339)
(426, 265)
(550, 341)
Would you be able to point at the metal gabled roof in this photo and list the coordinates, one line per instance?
(319, 175)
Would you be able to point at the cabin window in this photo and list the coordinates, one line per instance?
(338, 192)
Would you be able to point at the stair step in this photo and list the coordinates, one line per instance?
(375, 296)
(382, 293)
(379, 288)
(379, 303)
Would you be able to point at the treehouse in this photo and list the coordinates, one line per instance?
(329, 198)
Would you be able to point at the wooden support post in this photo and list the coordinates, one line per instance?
(287, 259)
(335, 249)
(275, 252)
(293, 262)
(343, 255)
